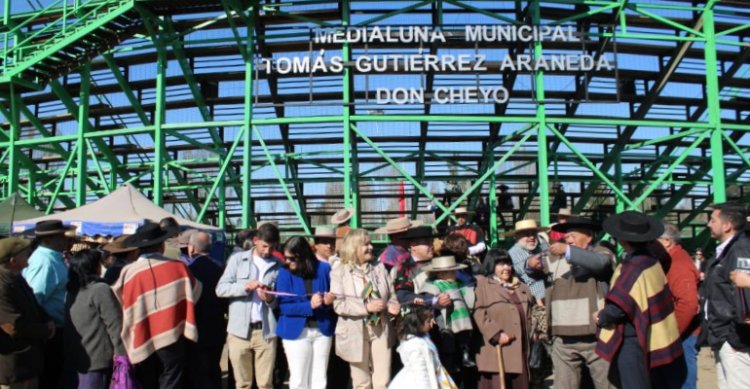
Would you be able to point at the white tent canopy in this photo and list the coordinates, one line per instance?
(120, 212)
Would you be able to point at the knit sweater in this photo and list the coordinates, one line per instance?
(158, 298)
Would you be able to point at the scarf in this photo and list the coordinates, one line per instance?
(457, 318)
(370, 291)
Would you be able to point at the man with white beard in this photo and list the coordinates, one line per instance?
(528, 245)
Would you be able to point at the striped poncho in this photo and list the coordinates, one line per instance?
(158, 297)
(639, 288)
(457, 317)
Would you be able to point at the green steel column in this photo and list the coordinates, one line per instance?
(247, 173)
(619, 204)
(714, 108)
(15, 131)
(541, 119)
(159, 150)
(222, 203)
(83, 117)
(350, 195)
(492, 203)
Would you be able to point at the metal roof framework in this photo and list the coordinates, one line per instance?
(172, 97)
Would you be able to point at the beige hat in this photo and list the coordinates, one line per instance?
(324, 232)
(462, 211)
(118, 245)
(398, 225)
(342, 216)
(564, 212)
(446, 263)
(525, 225)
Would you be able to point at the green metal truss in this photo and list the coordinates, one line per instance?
(172, 97)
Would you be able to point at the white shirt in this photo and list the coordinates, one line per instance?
(259, 266)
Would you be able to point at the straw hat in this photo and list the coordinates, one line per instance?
(445, 263)
(564, 212)
(342, 216)
(324, 233)
(398, 225)
(462, 211)
(526, 225)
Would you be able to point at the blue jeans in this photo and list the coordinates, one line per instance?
(691, 359)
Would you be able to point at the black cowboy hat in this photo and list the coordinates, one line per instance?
(150, 234)
(631, 226)
(577, 223)
(419, 232)
(51, 227)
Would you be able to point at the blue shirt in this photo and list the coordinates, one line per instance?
(47, 276)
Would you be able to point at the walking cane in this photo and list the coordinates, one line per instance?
(500, 365)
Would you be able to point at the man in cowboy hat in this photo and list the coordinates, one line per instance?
(409, 276)
(579, 271)
(638, 329)
(473, 234)
(562, 217)
(158, 297)
(48, 277)
(324, 243)
(527, 245)
(726, 310)
(123, 256)
(397, 251)
(24, 327)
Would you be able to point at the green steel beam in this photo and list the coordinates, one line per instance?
(350, 182)
(541, 120)
(282, 182)
(248, 218)
(714, 107)
(83, 117)
(61, 180)
(159, 137)
(14, 133)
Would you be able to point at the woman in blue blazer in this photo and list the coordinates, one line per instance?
(306, 323)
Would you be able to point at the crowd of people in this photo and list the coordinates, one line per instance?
(155, 310)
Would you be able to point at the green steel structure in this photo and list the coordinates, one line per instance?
(179, 98)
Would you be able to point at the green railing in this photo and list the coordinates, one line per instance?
(64, 19)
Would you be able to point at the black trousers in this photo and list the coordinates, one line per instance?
(203, 366)
(164, 369)
(54, 361)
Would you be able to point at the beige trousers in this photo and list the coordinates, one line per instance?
(252, 359)
(374, 372)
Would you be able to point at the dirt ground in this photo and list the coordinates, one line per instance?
(706, 369)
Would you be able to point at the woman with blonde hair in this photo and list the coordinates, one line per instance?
(365, 302)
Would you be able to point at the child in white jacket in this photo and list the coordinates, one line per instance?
(422, 367)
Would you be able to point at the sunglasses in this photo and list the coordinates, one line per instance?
(291, 257)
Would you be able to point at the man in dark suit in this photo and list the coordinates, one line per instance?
(727, 308)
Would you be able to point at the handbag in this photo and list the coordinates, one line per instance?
(123, 376)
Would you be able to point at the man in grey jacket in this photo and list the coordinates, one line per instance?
(578, 272)
(252, 326)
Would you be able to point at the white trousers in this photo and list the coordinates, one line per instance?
(307, 357)
(732, 368)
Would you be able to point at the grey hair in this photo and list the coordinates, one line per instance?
(201, 240)
(671, 232)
